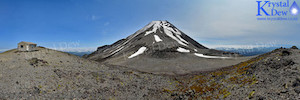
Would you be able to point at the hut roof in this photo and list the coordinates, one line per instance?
(26, 42)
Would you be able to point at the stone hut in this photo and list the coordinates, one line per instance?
(26, 46)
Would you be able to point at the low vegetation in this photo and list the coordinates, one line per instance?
(217, 84)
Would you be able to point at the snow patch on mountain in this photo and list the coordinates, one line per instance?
(146, 27)
(155, 25)
(205, 56)
(154, 28)
(168, 30)
(179, 49)
(157, 38)
(171, 32)
(140, 51)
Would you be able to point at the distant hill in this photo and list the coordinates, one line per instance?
(80, 54)
(3, 50)
(249, 52)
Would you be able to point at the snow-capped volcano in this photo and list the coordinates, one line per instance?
(157, 40)
(154, 37)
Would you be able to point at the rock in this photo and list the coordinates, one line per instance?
(35, 62)
(277, 64)
(284, 91)
(36, 90)
(261, 98)
(60, 73)
(294, 47)
(285, 53)
(297, 90)
(296, 83)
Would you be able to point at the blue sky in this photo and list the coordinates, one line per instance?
(72, 24)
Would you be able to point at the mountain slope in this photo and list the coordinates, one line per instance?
(271, 76)
(50, 74)
(160, 47)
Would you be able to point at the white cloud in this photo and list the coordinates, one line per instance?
(75, 46)
(234, 22)
(238, 46)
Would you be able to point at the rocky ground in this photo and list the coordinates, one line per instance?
(52, 74)
(57, 75)
(271, 76)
